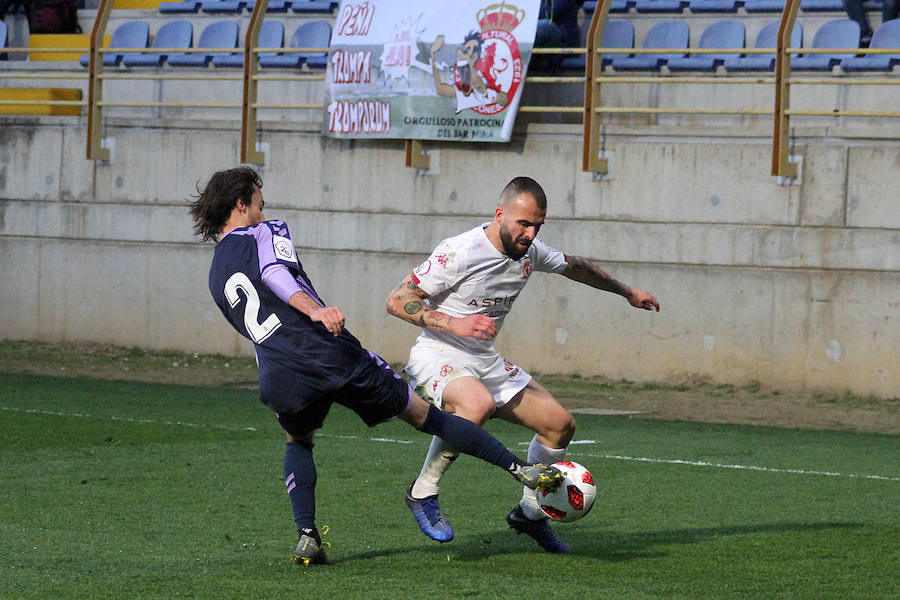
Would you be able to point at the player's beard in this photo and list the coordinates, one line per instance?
(510, 246)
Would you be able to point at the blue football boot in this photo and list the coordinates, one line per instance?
(428, 515)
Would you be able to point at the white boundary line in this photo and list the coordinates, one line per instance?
(33, 411)
(700, 463)
(667, 461)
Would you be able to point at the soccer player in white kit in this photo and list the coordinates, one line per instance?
(460, 296)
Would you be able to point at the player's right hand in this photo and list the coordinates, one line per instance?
(477, 326)
(331, 317)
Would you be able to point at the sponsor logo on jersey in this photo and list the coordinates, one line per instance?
(526, 268)
(284, 249)
(504, 301)
(423, 268)
(442, 259)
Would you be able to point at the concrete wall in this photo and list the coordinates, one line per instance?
(796, 287)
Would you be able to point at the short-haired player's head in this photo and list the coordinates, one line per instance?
(214, 203)
(519, 215)
(524, 185)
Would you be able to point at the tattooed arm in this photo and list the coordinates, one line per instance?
(407, 302)
(584, 271)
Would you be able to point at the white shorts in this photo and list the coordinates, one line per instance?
(432, 367)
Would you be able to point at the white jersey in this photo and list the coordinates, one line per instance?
(467, 275)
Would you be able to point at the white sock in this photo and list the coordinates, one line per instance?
(440, 456)
(538, 453)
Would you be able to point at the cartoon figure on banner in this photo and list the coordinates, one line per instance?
(488, 68)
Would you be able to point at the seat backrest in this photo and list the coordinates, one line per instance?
(4, 33)
(133, 34)
(887, 35)
(723, 34)
(271, 35)
(618, 34)
(221, 34)
(768, 37)
(842, 33)
(174, 34)
(667, 34)
(315, 34)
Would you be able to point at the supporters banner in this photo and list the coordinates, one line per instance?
(428, 69)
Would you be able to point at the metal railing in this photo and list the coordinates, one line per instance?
(782, 80)
(594, 80)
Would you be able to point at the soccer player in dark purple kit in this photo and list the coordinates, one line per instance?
(307, 360)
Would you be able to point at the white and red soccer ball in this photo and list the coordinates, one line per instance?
(575, 496)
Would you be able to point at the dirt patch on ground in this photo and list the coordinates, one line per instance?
(704, 402)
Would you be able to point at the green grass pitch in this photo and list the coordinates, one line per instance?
(128, 490)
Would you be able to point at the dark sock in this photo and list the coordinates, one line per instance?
(300, 479)
(469, 438)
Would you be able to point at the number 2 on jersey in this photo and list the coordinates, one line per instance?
(258, 332)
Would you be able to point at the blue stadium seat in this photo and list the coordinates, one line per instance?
(174, 34)
(616, 34)
(222, 6)
(754, 6)
(713, 6)
(842, 33)
(271, 35)
(4, 35)
(886, 36)
(313, 6)
(133, 34)
(221, 34)
(188, 6)
(616, 6)
(274, 6)
(767, 38)
(660, 6)
(668, 34)
(721, 34)
(315, 34)
(822, 6)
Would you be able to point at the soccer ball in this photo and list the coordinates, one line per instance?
(574, 497)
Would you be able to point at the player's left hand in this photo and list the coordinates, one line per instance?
(331, 317)
(642, 299)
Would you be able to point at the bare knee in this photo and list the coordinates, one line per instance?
(475, 408)
(558, 430)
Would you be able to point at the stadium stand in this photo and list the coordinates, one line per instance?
(660, 6)
(667, 34)
(822, 6)
(754, 6)
(767, 38)
(274, 6)
(713, 6)
(315, 34)
(842, 33)
(222, 6)
(616, 34)
(188, 6)
(174, 34)
(313, 6)
(616, 6)
(220, 34)
(886, 36)
(271, 35)
(133, 34)
(721, 34)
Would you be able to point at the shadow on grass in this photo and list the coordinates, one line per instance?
(602, 546)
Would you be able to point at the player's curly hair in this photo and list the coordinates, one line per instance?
(524, 185)
(214, 203)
